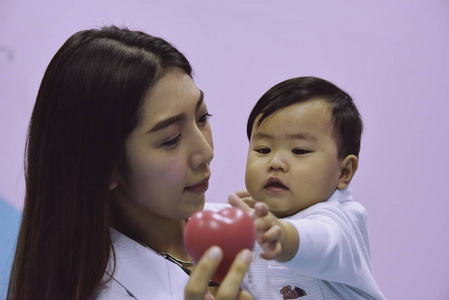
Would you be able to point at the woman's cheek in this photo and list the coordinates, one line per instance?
(174, 173)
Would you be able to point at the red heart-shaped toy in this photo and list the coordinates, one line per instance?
(231, 229)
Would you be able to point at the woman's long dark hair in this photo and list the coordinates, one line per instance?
(87, 104)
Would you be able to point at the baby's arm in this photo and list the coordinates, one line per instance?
(278, 239)
(331, 244)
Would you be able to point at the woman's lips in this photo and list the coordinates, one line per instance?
(199, 188)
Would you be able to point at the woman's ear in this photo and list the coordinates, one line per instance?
(348, 166)
(115, 176)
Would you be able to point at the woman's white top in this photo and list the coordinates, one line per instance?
(333, 261)
(140, 273)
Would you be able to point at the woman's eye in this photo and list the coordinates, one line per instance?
(263, 150)
(300, 151)
(172, 142)
(204, 118)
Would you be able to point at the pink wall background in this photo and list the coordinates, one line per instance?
(392, 56)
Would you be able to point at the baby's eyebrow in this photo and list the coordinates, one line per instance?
(302, 136)
(294, 136)
(261, 135)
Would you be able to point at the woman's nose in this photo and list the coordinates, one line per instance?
(277, 163)
(203, 150)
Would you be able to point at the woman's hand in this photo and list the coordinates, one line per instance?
(229, 289)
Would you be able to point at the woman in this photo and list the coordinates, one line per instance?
(117, 159)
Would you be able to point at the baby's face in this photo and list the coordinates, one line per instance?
(292, 158)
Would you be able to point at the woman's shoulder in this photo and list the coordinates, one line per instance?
(113, 290)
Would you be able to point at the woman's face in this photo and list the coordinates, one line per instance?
(169, 151)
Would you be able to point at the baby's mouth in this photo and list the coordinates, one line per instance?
(275, 183)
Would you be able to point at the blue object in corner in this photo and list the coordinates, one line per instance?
(9, 229)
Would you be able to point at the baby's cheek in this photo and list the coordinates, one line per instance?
(250, 180)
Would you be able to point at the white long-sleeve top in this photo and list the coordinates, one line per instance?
(140, 274)
(333, 260)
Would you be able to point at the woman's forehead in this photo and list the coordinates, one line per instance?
(174, 94)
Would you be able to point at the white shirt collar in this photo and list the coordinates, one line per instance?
(144, 273)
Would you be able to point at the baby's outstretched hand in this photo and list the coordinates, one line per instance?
(272, 233)
(245, 197)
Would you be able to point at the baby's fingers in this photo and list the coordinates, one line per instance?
(264, 224)
(270, 243)
(261, 210)
(236, 201)
(242, 194)
(273, 234)
(249, 201)
(271, 250)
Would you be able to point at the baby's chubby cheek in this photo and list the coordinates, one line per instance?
(253, 180)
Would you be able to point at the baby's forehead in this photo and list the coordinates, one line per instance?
(320, 104)
(308, 112)
(300, 121)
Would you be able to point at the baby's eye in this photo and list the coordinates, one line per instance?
(263, 150)
(172, 142)
(298, 151)
(204, 118)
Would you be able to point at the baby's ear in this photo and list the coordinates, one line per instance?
(348, 167)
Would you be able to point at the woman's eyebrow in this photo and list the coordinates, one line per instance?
(167, 122)
(200, 100)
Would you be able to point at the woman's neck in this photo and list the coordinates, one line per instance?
(156, 232)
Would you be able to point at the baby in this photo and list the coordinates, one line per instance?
(313, 240)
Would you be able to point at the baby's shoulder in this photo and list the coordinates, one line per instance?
(336, 209)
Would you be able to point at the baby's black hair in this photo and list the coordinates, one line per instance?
(348, 124)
